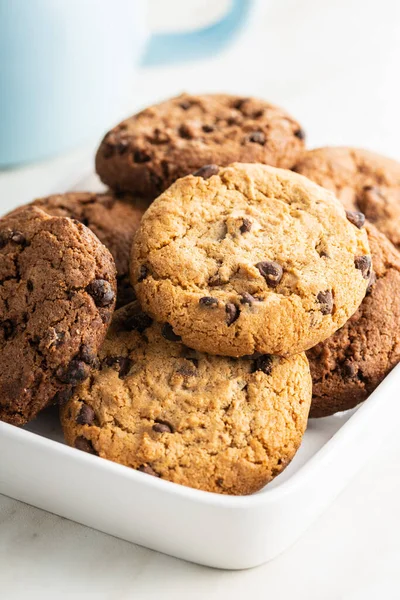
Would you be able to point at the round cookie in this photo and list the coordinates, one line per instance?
(250, 259)
(347, 367)
(362, 180)
(57, 296)
(147, 152)
(113, 218)
(213, 423)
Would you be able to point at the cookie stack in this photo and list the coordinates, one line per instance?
(226, 270)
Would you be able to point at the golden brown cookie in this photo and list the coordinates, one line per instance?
(113, 218)
(57, 295)
(147, 152)
(362, 180)
(348, 366)
(248, 259)
(218, 424)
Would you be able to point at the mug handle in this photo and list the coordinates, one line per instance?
(178, 47)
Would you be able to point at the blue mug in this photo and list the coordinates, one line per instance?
(66, 67)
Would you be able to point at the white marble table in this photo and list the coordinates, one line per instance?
(334, 65)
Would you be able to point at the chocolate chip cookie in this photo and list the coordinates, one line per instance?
(213, 423)
(248, 259)
(362, 180)
(348, 366)
(57, 295)
(113, 218)
(149, 151)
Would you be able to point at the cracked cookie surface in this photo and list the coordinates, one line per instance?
(113, 218)
(250, 259)
(362, 180)
(213, 423)
(147, 152)
(347, 367)
(57, 295)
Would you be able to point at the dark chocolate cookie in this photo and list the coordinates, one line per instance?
(362, 180)
(348, 366)
(57, 295)
(113, 218)
(147, 152)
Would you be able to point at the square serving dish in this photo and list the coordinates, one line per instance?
(228, 532)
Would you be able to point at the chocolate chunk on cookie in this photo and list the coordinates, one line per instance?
(114, 218)
(348, 366)
(368, 184)
(57, 295)
(271, 290)
(208, 422)
(188, 133)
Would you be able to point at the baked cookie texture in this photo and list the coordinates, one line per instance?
(347, 367)
(213, 423)
(113, 218)
(147, 152)
(57, 295)
(249, 259)
(362, 180)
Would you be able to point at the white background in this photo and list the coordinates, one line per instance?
(335, 67)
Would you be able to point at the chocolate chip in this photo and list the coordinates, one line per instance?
(271, 271)
(162, 427)
(356, 218)
(122, 146)
(63, 396)
(29, 285)
(232, 313)
(238, 104)
(169, 333)
(257, 114)
(88, 355)
(143, 272)
(363, 264)
(371, 283)
(185, 132)
(108, 149)
(81, 443)
(125, 365)
(5, 237)
(187, 371)
(101, 292)
(263, 363)
(214, 280)
(76, 372)
(138, 322)
(246, 225)
(349, 369)
(140, 156)
(301, 134)
(209, 301)
(325, 300)
(86, 415)
(185, 104)
(208, 128)
(148, 470)
(18, 238)
(247, 298)
(207, 171)
(9, 329)
(257, 137)
(156, 181)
